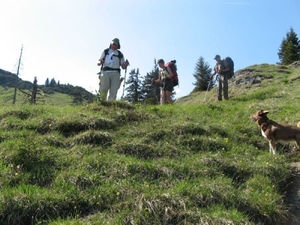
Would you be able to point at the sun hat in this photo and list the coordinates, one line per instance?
(116, 41)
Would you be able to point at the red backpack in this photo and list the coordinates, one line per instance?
(172, 65)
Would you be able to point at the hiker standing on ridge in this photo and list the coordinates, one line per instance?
(164, 78)
(110, 61)
(222, 69)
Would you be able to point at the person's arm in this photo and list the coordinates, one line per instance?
(212, 75)
(215, 72)
(124, 64)
(101, 60)
(158, 80)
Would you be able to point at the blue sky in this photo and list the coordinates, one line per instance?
(63, 39)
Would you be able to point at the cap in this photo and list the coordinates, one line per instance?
(217, 56)
(116, 41)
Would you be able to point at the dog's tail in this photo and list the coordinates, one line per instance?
(298, 124)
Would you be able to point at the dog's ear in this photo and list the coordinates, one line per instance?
(265, 112)
(260, 112)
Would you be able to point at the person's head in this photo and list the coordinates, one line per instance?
(161, 63)
(217, 58)
(115, 44)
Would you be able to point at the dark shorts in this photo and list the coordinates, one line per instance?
(167, 85)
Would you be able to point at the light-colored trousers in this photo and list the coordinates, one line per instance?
(109, 81)
(223, 86)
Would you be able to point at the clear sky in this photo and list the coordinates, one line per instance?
(63, 39)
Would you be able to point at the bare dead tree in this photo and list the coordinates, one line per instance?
(17, 78)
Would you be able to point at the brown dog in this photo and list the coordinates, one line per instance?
(275, 132)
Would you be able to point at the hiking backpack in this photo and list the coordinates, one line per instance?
(230, 65)
(120, 55)
(172, 65)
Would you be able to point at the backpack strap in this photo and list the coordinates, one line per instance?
(223, 63)
(105, 54)
(120, 55)
(166, 69)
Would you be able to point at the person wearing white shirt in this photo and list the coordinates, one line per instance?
(110, 61)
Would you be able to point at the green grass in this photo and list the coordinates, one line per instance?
(195, 162)
(55, 98)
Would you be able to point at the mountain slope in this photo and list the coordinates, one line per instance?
(55, 95)
(247, 81)
(194, 162)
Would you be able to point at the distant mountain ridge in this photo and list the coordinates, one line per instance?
(8, 80)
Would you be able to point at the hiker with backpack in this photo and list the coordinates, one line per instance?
(110, 61)
(224, 73)
(166, 82)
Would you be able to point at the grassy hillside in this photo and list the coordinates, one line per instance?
(51, 95)
(198, 161)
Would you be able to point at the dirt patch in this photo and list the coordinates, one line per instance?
(293, 194)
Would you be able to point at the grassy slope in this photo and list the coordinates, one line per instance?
(196, 162)
(57, 99)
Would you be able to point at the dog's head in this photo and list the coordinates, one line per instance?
(262, 114)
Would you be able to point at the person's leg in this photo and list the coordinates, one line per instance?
(114, 85)
(103, 95)
(104, 86)
(169, 91)
(168, 96)
(220, 80)
(225, 87)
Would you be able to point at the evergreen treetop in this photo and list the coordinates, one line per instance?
(289, 50)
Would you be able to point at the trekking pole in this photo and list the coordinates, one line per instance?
(207, 90)
(99, 77)
(163, 91)
(124, 80)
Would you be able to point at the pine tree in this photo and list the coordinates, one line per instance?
(289, 50)
(52, 82)
(202, 76)
(151, 90)
(134, 88)
(47, 82)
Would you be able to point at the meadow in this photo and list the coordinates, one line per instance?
(199, 161)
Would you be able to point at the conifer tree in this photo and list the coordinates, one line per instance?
(134, 88)
(202, 76)
(151, 90)
(52, 82)
(47, 82)
(289, 50)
